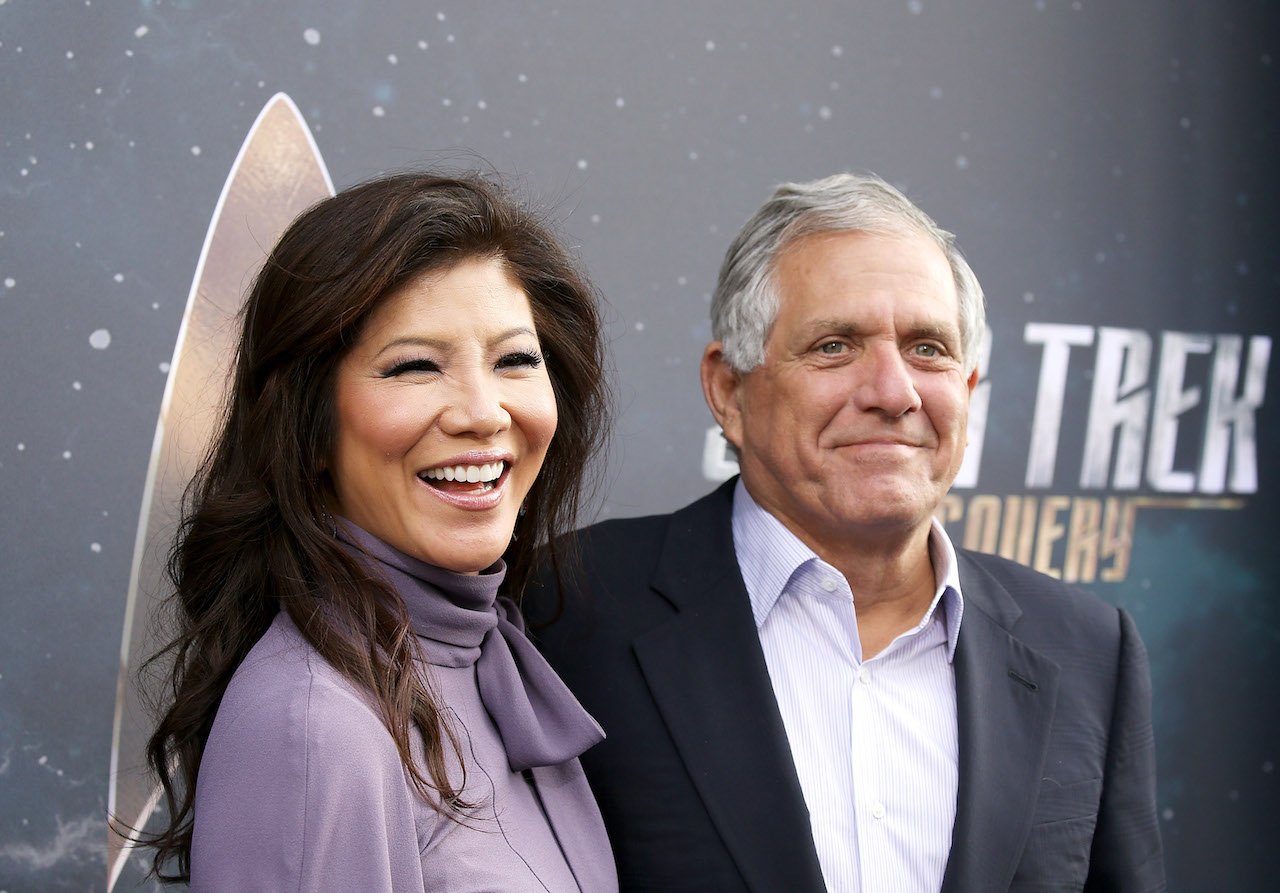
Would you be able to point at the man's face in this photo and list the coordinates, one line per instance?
(855, 424)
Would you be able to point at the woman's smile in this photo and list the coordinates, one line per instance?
(468, 483)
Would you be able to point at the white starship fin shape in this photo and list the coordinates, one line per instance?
(277, 174)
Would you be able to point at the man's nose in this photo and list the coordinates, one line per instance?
(475, 407)
(885, 383)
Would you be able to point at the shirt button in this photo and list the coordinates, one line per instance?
(864, 676)
(877, 810)
(829, 584)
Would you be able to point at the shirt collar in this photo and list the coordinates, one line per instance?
(769, 554)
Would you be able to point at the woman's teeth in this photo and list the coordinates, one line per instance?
(472, 474)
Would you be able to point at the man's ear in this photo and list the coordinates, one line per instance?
(973, 381)
(721, 386)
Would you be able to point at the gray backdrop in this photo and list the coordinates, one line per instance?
(1109, 168)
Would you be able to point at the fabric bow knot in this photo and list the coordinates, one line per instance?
(462, 621)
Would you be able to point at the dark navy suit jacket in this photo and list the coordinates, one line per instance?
(696, 781)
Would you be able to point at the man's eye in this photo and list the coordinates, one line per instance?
(927, 350)
(831, 348)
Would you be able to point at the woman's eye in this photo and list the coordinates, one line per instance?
(407, 366)
(520, 359)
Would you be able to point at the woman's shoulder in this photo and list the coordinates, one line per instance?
(299, 772)
(286, 697)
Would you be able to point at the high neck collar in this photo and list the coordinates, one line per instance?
(460, 622)
(429, 592)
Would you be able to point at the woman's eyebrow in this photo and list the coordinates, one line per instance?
(441, 344)
(511, 333)
(414, 341)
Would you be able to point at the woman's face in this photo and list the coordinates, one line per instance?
(444, 414)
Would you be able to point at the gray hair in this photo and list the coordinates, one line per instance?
(745, 303)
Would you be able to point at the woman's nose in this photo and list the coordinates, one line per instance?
(475, 407)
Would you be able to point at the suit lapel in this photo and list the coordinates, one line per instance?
(1005, 698)
(706, 671)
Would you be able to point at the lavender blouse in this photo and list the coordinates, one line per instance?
(301, 787)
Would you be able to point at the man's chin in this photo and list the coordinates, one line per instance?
(886, 510)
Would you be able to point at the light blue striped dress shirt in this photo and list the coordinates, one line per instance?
(874, 741)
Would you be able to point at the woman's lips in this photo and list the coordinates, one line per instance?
(475, 487)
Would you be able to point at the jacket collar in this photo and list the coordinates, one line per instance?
(1006, 693)
(707, 673)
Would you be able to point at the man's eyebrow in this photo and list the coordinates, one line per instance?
(846, 329)
(937, 331)
(841, 327)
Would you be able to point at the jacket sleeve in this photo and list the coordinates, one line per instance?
(302, 789)
(1127, 856)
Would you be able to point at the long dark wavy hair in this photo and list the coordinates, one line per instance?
(255, 538)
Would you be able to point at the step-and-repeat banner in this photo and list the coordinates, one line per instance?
(1110, 174)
